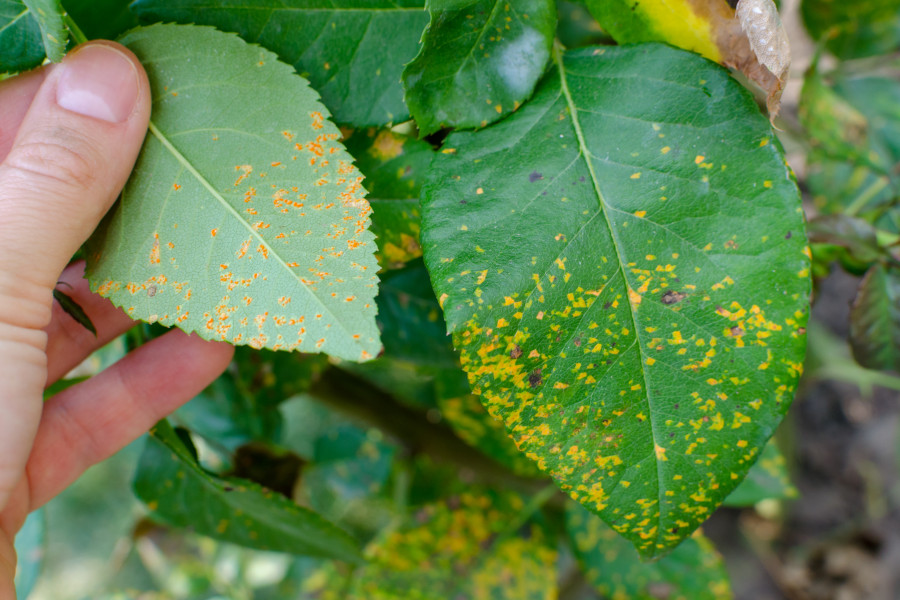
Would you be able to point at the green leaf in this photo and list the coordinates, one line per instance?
(21, 45)
(352, 51)
(460, 548)
(875, 319)
(833, 124)
(480, 60)
(856, 235)
(244, 220)
(180, 493)
(394, 166)
(854, 29)
(54, 35)
(693, 571)
(577, 27)
(767, 479)
(102, 19)
(623, 267)
(74, 310)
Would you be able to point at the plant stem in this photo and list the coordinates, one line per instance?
(870, 192)
(534, 504)
(354, 397)
(74, 29)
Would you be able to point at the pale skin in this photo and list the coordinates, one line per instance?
(69, 136)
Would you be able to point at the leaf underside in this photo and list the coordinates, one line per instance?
(54, 35)
(353, 51)
(244, 220)
(623, 266)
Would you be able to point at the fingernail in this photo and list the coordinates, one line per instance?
(100, 82)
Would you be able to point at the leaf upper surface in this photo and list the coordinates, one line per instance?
(623, 266)
(244, 221)
(480, 60)
(179, 492)
(21, 46)
(353, 51)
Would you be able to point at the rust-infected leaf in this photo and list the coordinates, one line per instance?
(245, 219)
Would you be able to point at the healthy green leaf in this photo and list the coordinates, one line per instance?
(623, 267)
(102, 19)
(459, 548)
(21, 45)
(54, 35)
(244, 220)
(854, 29)
(693, 571)
(352, 51)
(180, 493)
(480, 60)
(875, 319)
(767, 479)
(394, 166)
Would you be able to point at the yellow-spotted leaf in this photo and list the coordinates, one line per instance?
(622, 264)
(245, 219)
(694, 571)
(468, 546)
(751, 39)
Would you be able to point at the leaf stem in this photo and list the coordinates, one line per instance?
(870, 192)
(74, 29)
(534, 504)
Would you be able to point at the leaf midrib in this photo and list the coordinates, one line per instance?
(159, 135)
(585, 153)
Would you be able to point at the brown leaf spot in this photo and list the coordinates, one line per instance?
(672, 297)
(535, 378)
(515, 352)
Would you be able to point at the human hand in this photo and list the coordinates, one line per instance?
(69, 136)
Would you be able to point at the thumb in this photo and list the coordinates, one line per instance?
(73, 153)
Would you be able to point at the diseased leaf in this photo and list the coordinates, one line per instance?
(54, 35)
(767, 479)
(472, 423)
(352, 51)
(875, 319)
(710, 28)
(180, 493)
(21, 45)
(244, 220)
(693, 571)
(460, 548)
(623, 267)
(394, 166)
(480, 60)
(854, 29)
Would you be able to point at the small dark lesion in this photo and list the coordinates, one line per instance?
(516, 352)
(535, 378)
(672, 297)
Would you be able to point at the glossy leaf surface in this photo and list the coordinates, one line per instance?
(244, 220)
(623, 266)
(459, 548)
(875, 319)
(21, 46)
(352, 51)
(854, 29)
(693, 571)
(480, 60)
(767, 479)
(180, 493)
(394, 166)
